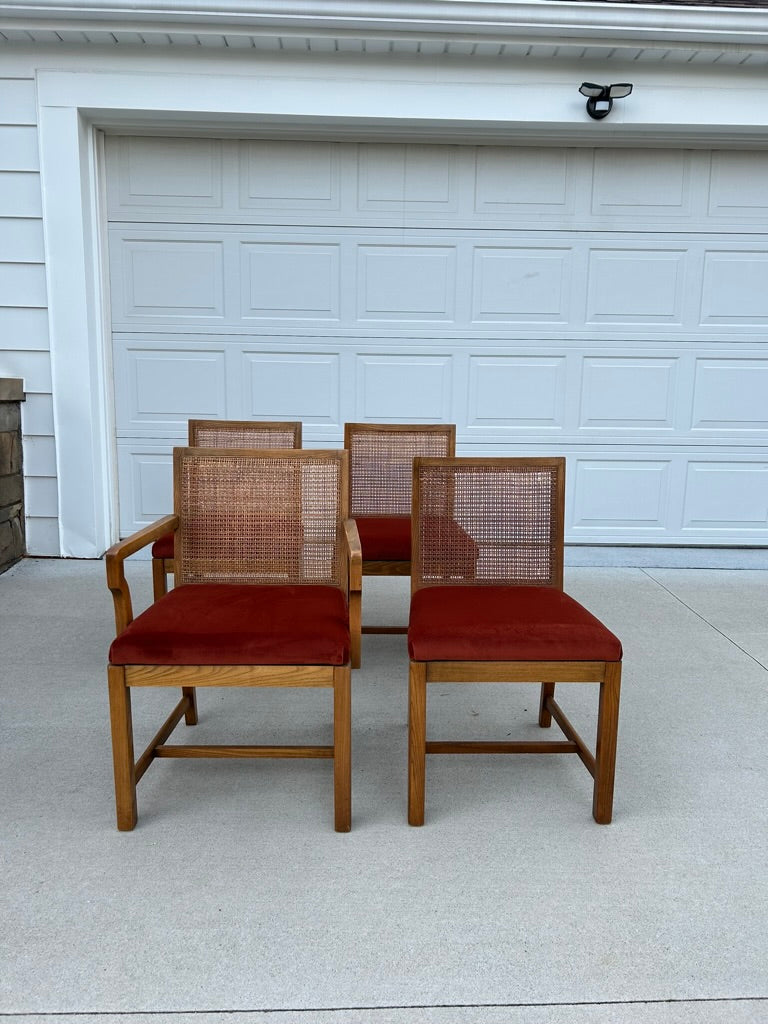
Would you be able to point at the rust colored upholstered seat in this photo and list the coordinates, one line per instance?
(199, 623)
(388, 538)
(268, 573)
(385, 538)
(163, 548)
(222, 434)
(380, 477)
(487, 605)
(505, 624)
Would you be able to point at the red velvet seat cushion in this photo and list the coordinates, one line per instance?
(468, 623)
(163, 546)
(239, 624)
(388, 538)
(385, 538)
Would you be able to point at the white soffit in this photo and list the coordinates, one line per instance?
(428, 28)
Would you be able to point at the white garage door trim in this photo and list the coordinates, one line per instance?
(73, 105)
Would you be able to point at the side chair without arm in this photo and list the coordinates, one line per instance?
(268, 580)
(487, 605)
(222, 434)
(380, 478)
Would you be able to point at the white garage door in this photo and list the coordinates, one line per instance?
(609, 305)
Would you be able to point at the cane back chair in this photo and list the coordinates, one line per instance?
(487, 605)
(380, 479)
(222, 434)
(267, 593)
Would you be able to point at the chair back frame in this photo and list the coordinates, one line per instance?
(244, 433)
(380, 480)
(367, 445)
(532, 540)
(273, 512)
(229, 434)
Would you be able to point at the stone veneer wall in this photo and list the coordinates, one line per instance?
(12, 546)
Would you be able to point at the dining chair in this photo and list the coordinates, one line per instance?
(488, 606)
(267, 593)
(380, 478)
(222, 434)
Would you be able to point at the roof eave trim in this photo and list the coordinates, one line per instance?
(527, 19)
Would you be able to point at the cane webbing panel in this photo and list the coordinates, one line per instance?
(381, 466)
(489, 521)
(243, 434)
(260, 516)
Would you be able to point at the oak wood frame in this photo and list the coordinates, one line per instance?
(128, 769)
(162, 568)
(393, 567)
(601, 764)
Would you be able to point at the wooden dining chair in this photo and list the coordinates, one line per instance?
(222, 434)
(267, 593)
(380, 477)
(487, 605)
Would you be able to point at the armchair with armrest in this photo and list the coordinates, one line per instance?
(268, 579)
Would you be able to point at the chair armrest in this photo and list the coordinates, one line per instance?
(115, 560)
(355, 556)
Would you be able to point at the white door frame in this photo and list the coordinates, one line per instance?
(385, 101)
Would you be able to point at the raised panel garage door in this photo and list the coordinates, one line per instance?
(609, 305)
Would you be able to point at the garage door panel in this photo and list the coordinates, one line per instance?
(735, 287)
(247, 181)
(290, 280)
(406, 282)
(145, 479)
(521, 284)
(499, 392)
(629, 394)
(638, 286)
(399, 387)
(160, 278)
(292, 385)
(730, 395)
(162, 387)
(519, 393)
(511, 183)
(147, 175)
(739, 186)
(290, 176)
(229, 275)
(630, 183)
(408, 179)
(724, 498)
(615, 495)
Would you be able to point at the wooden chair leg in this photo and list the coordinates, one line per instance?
(122, 749)
(417, 741)
(605, 751)
(159, 582)
(342, 748)
(545, 718)
(190, 715)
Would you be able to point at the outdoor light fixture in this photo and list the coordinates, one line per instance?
(600, 97)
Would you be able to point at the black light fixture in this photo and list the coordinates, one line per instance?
(600, 97)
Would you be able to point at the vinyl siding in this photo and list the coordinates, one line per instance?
(24, 342)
